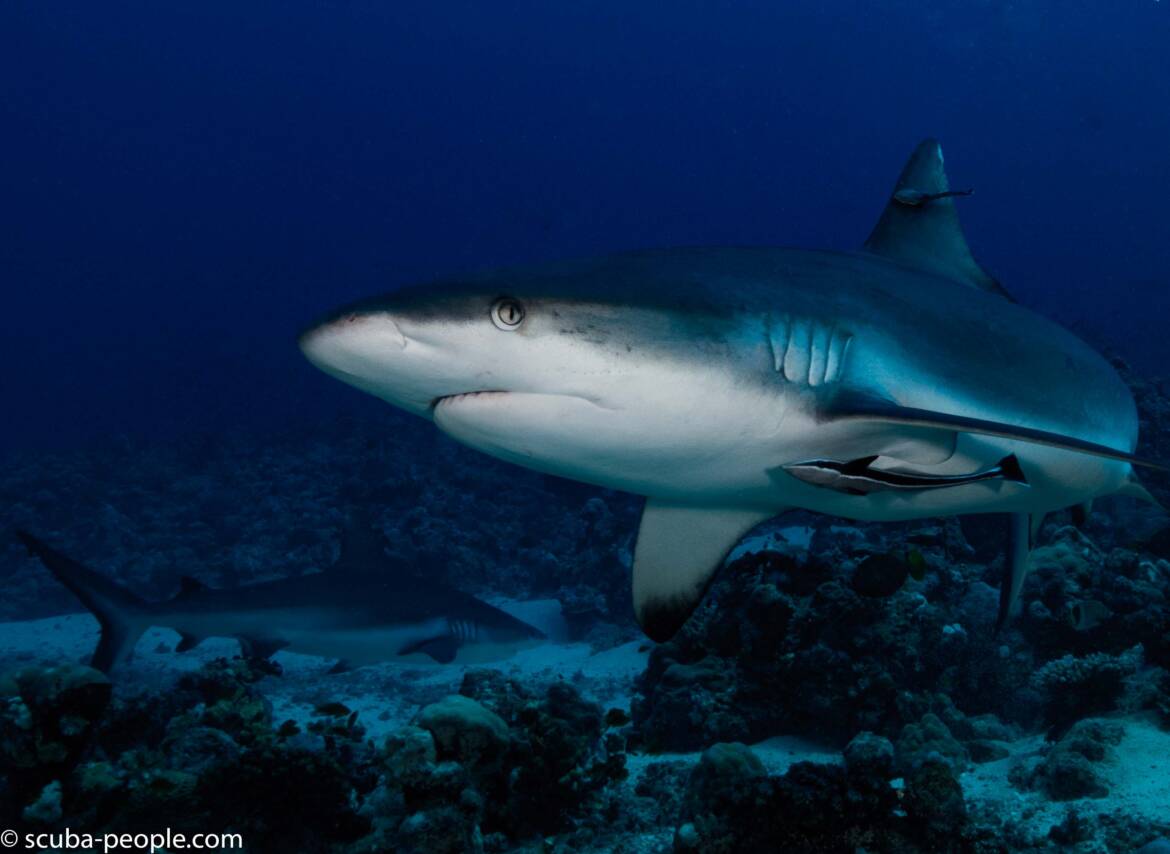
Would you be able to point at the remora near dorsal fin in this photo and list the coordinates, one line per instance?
(679, 549)
(864, 406)
(920, 225)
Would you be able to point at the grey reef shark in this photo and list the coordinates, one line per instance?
(363, 610)
(727, 385)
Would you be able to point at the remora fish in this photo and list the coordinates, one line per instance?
(696, 377)
(356, 614)
(859, 477)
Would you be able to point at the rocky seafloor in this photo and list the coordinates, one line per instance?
(841, 688)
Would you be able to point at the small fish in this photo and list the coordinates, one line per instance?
(332, 709)
(1087, 614)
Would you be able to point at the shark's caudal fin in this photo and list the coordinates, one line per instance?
(679, 549)
(920, 225)
(122, 615)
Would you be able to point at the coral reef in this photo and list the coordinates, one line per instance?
(874, 644)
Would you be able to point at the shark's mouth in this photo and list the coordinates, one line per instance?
(499, 394)
(467, 395)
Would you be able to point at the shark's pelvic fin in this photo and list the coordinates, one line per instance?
(251, 647)
(1022, 529)
(857, 405)
(679, 549)
(442, 648)
(1081, 513)
(187, 642)
(1133, 488)
(920, 225)
(189, 585)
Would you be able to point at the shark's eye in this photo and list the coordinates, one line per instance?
(507, 313)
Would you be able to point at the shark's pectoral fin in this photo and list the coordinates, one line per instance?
(678, 550)
(441, 648)
(856, 405)
(920, 225)
(187, 641)
(260, 647)
(1022, 531)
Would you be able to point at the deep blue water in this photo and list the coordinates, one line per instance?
(184, 185)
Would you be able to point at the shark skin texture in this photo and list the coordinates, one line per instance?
(363, 610)
(728, 384)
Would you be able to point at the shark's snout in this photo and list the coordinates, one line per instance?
(351, 338)
(369, 351)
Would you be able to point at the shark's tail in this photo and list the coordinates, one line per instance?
(122, 615)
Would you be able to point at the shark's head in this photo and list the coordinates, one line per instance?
(572, 370)
(423, 350)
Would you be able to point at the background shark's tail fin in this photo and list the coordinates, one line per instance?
(122, 615)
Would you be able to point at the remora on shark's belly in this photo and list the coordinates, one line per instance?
(730, 384)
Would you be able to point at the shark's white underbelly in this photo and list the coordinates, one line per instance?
(726, 443)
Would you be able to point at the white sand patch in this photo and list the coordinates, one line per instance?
(1136, 771)
(778, 755)
(783, 751)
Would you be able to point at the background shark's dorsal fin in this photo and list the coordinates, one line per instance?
(920, 225)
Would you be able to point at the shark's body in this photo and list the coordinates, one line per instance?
(728, 384)
(357, 617)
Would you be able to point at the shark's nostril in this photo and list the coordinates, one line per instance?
(395, 331)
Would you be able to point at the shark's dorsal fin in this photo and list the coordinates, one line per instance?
(442, 648)
(920, 225)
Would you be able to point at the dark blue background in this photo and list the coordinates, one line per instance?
(184, 185)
